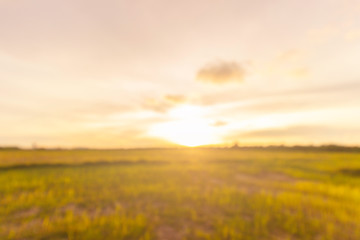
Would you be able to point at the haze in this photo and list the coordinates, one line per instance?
(156, 73)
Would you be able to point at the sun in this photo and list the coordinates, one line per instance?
(188, 127)
(189, 133)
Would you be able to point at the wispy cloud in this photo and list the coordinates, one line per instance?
(219, 123)
(314, 134)
(164, 103)
(299, 72)
(176, 99)
(288, 64)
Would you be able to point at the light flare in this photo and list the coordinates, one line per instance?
(189, 127)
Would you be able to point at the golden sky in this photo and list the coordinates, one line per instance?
(154, 73)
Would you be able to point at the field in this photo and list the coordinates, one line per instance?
(179, 194)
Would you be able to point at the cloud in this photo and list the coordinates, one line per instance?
(290, 131)
(176, 99)
(280, 105)
(290, 55)
(106, 137)
(309, 134)
(219, 124)
(299, 72)
(165, 103)
(352, 35)
(324, 34)
(221, 72)
(290, 63)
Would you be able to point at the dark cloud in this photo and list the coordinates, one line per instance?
(221, 72)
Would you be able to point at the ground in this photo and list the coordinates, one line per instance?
(179, 194)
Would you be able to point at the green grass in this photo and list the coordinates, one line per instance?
(179, 194)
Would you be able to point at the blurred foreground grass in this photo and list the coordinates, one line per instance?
(179, 194)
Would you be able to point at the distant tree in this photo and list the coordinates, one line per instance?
(236, 145)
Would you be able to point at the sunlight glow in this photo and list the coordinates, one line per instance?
(189, 127)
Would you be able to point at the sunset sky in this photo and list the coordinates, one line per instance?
(156, 73)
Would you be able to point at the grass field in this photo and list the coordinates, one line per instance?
(179, 194)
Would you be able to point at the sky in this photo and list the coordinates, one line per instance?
(158, 73)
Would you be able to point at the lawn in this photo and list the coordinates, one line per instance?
(179, 194)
